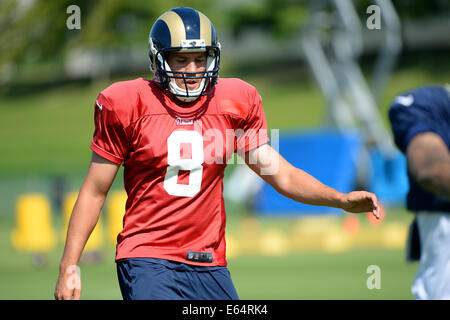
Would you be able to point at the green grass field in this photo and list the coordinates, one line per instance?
(302, 275)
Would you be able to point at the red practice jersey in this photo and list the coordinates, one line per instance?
(174, 156)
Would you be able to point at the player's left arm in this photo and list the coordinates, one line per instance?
(298, 185)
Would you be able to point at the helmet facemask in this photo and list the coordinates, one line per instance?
(167, 77)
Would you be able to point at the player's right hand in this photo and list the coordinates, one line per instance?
(361, 201)
(68, 286)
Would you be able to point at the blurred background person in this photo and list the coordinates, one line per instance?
(420, 122)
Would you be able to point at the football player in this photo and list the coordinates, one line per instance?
(172, 135)
(420, 122)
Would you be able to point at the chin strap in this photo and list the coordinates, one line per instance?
(180, 93)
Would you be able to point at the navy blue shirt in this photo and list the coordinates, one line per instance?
(417, 111)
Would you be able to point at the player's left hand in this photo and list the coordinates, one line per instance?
(361, 201)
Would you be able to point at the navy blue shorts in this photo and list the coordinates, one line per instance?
(158, 279)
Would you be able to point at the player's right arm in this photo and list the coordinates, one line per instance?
(83, 219)
(429, 163)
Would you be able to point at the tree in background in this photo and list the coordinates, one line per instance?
(34, 32)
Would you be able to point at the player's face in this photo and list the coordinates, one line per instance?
(188, 62)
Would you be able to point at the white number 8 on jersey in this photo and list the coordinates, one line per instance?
(194, 165)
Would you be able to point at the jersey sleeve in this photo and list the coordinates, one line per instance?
(254, 129)
(110, 140)
(408, 121)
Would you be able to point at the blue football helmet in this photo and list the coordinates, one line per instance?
(185, 30)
